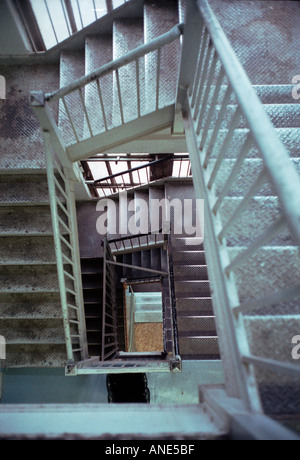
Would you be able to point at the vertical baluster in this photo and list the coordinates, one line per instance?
(225, 145)
(207, 90)
(217, 126)
(104, 300)
(200, 68)
(120, 96)
(102, 104)
(202, 79)
(138, 91)
(212, 107)
(158, 76)
(70, 119)
(85, 111)
(194, 86)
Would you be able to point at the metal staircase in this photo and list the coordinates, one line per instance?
(163, 79)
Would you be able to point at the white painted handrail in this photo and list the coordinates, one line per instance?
(283, 175)
(131, 56)
(215, 79)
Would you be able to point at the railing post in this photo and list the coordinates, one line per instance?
(223, 290)
(189, 57)
(104, 244)
(74, 240)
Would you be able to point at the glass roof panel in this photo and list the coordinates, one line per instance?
(59, 19)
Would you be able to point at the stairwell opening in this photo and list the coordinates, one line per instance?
(143, 320)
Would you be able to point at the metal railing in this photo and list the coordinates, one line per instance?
(222, 112)
(109, 346)
(175, 340)
(64, 222)
(117, 93)
(138, 242)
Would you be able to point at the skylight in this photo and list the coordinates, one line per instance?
(59, 19)
(132, 171)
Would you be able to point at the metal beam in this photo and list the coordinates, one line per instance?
(232, 416)
(94, 421)
(106, 141)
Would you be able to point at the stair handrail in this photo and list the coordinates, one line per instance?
(127, 58)
(65, 234)
(109, 319)
(137, 236)
(195, 88)
(172, 296)
(283, 175)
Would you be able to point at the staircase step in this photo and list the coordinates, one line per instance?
(36, 355)
(32, 331)
(192, 288)
(160, 17)
(197, 305)
(91, 265)
(196, 323)
(24, 190)
(289, 136)
(192, 257)
(27, 250)
(249, 172)
(270, 269)
(21, 307)
(21, 221)
(71, 68)
(274, 94)
(268, 94)
(270, 337)
(281, 115)
(199, 347)
(186, 243)
(190, 272)
(128, 34)
(98, 51)
(21, 137)
(28, 279)
(261, 213)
